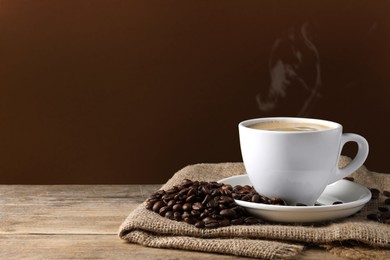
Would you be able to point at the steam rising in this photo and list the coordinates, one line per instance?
(290, 56)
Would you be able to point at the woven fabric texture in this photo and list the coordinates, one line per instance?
(355, 236)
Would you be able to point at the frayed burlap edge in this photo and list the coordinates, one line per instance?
(234, 246)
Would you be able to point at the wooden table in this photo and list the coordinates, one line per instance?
(81, 222)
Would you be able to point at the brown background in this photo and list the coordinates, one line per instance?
(95, 91)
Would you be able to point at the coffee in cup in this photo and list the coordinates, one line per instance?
(287, 126)
(296, 158)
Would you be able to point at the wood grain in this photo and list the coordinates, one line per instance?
(81, 222)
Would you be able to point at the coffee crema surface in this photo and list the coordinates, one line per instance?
(288, 126)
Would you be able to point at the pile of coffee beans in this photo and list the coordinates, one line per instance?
(203, 204)
(248, 193)
(383, 213)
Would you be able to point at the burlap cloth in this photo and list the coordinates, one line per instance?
(354, 237)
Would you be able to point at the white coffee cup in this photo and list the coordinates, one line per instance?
(296, 163)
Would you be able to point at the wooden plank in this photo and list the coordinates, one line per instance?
(33, 191)
(73, 209)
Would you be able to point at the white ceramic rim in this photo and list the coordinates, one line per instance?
(333, 125)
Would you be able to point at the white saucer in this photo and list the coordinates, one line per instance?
(354, 196)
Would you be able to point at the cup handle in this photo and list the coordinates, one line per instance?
(359, 159)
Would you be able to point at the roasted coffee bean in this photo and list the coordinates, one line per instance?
(384, 216)
(177, 216)
(337, 202)
(386, 193)
(387, 201)
(168, 197)
(171, 203)
(238, 221)
(205, 190)
(177, 208)
(348, 178)
(373, 216)
(171, 191)
(215, 184)
(191, 199)
(237, 187)
(246, 197)
(246, 187)
(180, 187)
(195, 213)
(216, 216)
(153, 197)
(222, 206)
(374, 193)
(157, 206)
(223, 199)
(186, 182)
(211, 225)
(255, 198)
(206, 199)
(192, 191)
(203, 215)
(149, 206)
(187, 206)
(184, 191)
(251, 220)
(238, 209)
(163, 210)
(197, 206)
(199, 224)
(178, 197)
(208, 219)
(278, 201)
(212, 204)
(228, 213)
(224, 222)
(216, 192)
(160, 193)
(190, 220)
(383, 209)
(227, 187)
(186, 214)
(227, 193)
(282, 202)
(150, 203)
(265, 200)
(169, 214)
